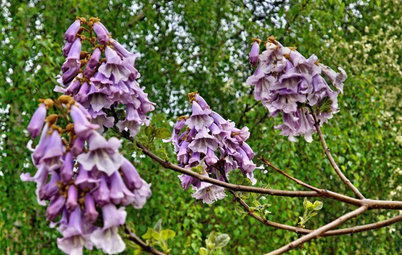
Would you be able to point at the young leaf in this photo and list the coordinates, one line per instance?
(317, 205)
(167, 233)
(222, 240)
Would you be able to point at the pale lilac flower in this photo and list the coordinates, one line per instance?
(101, 33)
(131, 177)
(119, 193)
(141, 195)
(209, 193)
(72, 64)
(66, 171)
(90, 213)
(199, 118)
(102, 153)
(82, 127)
(55, 207)
(107, 238)
(254, 53)
(40, 178)
(73, 245)
(72, 31)
(52, 158)
(114, 68)
(37, 120)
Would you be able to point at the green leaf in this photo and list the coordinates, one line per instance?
(163, 133)
(158, 225)
(148, 234)
(222, 240)
(210, 242)
(317, 205)
(167, 234)
(203, 251)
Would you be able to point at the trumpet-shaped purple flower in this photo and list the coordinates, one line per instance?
(102, 153)
(199, 118)
(37, 120)
(52, 158)
(209, 193)
(72, 31)
(72, 64)
(107, 238)
(101, 33)
(82, 127)
(254, 53)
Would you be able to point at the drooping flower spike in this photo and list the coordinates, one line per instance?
(104, 80)
(82, 175)
(215, 144)
(291, 85)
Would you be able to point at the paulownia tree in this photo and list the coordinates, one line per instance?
(86, 183)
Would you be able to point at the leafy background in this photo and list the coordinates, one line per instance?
(203, 45)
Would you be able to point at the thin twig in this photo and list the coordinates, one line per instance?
(362, 228)
(145, 247)
(331, 159)
(319, 231)
(291, 177)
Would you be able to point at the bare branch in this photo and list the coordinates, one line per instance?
(145, 247)
(291, 177)
(362, 228)
(319, 231)
(331, 159)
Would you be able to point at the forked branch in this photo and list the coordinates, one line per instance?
(319, 231)
(331, 159)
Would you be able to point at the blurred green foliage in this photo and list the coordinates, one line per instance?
(203, 45)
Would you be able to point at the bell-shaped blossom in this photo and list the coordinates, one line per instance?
(73, 245)
(90, 213)
(66, 171)
(82, 127)
(199, 118)
(102, 153)
(102, 193)
(55, 207)
(107, 238)
(131, 177)
(51, 188)
(254, 53)
(52, 158)
(141, 195)
(209, 193)
(40, 178)
(101, 33)
(72, 64)
(37, 120)
(72, 31)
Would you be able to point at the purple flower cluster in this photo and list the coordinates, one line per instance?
(288, 83)
(214, 143)
(86, 180)
(103, 85)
